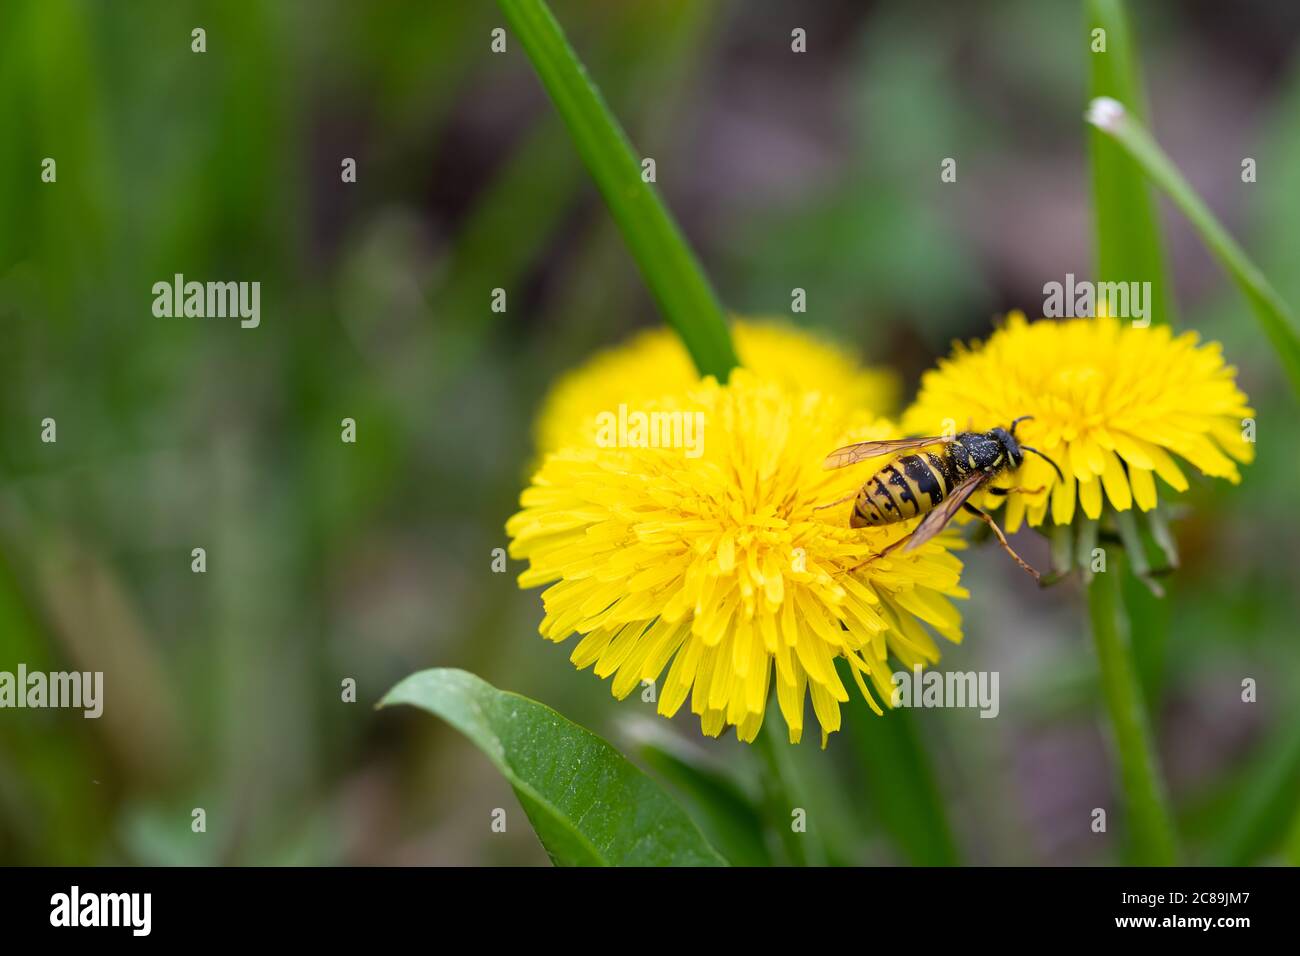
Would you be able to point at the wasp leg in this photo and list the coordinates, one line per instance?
(837, 501)
(1024, 491)
(1002, 538)
(1056, 577)
(879, 554)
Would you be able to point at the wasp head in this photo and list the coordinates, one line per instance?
(1017, 451)
(1008, 440)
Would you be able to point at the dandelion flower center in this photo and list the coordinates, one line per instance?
(722, 570)
(1112, 404)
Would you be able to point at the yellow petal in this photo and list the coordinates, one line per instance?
(1116, 482)
(789, 696)
(1165, 466)
(1063, 501)
(1144, 487)
(1090, 498)
(1015, 514)
(1131, 450)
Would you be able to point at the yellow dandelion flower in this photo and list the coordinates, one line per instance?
(654, 364)
(719, 569)
(1112, 405)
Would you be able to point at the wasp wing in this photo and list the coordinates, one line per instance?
(852, 454)
(938, 519)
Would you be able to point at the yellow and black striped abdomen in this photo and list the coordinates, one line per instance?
(911, 486)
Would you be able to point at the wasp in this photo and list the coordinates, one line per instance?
(935, 483)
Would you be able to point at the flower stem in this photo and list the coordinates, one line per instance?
(779, 792)
(669, 267)
(1151, 829)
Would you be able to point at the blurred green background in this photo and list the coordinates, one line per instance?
(328, 561)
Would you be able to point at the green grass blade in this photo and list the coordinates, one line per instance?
(1263, 815)
(800, 776)
(782, 794)
(1128, 242)
(1113, 118)
(1129, 247)
(683, 292)
(587, 803)
(900, 786)
(1291, 852)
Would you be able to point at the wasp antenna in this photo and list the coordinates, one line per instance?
(1046, 459)
(1015, 422)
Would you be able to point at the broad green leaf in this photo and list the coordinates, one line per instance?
(718, 798)
(1278, 321)
(667, 263)
(587, 803)
(1128, 243)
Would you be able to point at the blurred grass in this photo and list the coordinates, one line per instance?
(1129, 246)
(46, 766)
